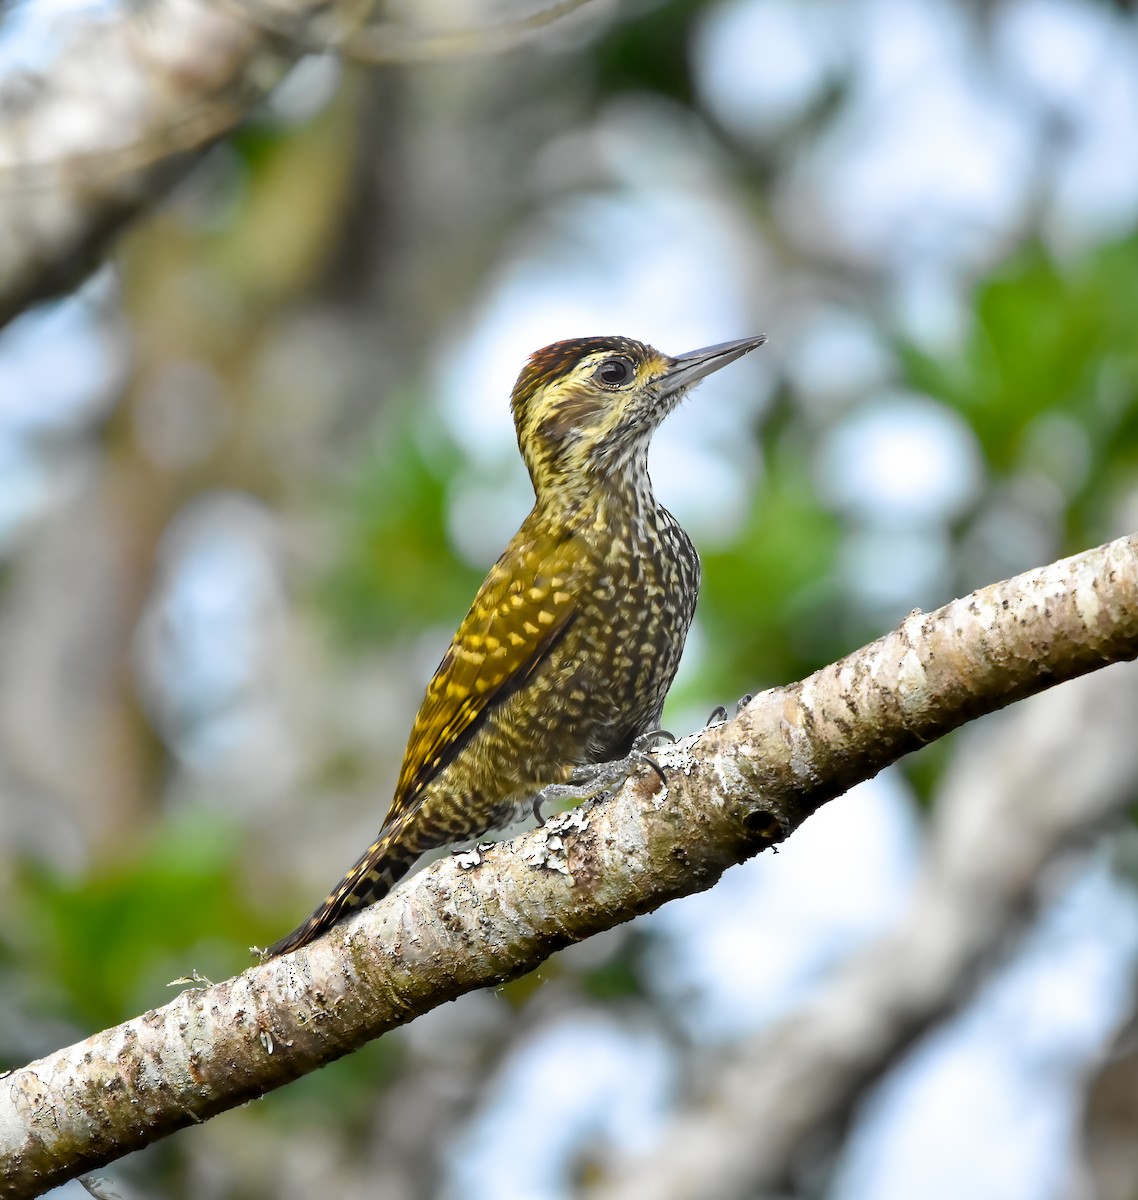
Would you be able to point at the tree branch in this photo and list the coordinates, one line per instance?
(1022, 796)
(479, 919)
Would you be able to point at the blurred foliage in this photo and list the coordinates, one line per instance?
(395, 570)
(109, 943)
(650, 51)
(770, 603)
(1050, 340)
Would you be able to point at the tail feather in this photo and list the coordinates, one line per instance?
(376, 872)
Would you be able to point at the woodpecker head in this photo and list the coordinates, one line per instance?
(585, 409)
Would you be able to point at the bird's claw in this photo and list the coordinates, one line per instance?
(648, 739)
(646, 758)
(719, 713)
(642, 746)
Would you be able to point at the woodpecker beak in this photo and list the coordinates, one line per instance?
(689, 368)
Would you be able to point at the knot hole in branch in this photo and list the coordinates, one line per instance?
(762, 825)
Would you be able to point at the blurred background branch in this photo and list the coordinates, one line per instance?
(132, 100)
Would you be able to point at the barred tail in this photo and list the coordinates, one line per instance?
(376, 872)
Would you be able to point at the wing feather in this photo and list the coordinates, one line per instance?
(523, 609)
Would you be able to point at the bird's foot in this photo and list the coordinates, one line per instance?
(584, 784)
(595, 779)
(719, 713)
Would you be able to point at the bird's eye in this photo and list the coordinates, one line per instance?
(614, 372)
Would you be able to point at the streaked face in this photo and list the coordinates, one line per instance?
(579, 403)
(585, 407)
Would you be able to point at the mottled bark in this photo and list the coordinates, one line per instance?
(484, 917)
